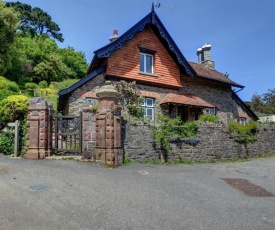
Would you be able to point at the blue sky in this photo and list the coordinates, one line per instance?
(241, 32)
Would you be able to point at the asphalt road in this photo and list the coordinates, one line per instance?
(78, 195)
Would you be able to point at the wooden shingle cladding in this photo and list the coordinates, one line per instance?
(125, 63)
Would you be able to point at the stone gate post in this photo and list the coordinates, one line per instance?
(108, 127)
(39, 133)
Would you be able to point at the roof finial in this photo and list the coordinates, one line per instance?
(153, 7)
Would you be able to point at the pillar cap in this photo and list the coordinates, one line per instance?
(108, 90)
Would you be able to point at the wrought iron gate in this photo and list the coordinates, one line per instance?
(68, 135)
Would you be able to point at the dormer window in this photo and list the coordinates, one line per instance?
(146, 63)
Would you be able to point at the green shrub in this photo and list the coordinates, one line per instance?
(246, 132)
(43, 84)
(209, 118)
(12, 86)
(173, 129)
(7, 141)
(13, 108)
(31, 85)
(5, 93)
(3, 83)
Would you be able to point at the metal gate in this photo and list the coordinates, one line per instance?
(68, 135)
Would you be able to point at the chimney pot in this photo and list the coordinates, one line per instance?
(204, 56)
(114, 36)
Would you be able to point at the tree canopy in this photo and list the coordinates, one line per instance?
(39, 59)
(263, 104)
(35, 21)
(8, 24)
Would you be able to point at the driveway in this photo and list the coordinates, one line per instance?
(59, 194)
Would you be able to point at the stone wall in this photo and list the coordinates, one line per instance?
(217, 94)
(77, 100)
(215, 143)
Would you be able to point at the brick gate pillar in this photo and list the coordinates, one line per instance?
(108, 127)
(39, 133)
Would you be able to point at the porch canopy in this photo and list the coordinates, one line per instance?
(186, 99)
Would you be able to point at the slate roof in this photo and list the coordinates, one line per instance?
(186, 99)
(214, 75)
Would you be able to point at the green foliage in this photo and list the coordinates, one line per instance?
(264, 104)
(7, 88)
(40, 59)
(130, 95)
(5, 93)
(209, 118)
(43, 84)
(8, 24)
(75, 61)
(246, 132)
(63, 84)
(7, 141)
(31, 85)
(13, 108)
(12, 86)
(127, 161)
(34, 21)
(172, 128)
(94, 107)
(3, 83)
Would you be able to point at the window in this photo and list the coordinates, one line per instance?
(148, 108)
(91, 100)
(210, 111)
(146, 63)
(242, 120)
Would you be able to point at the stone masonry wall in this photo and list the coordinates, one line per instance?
(77, 101)
(217, 94)
(215, 143)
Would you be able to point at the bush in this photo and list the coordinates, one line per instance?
(47, 92)
(3, 83)
(13, 108)
(43, 84)
(208, 118)
(12, 86)
(30, 85)
(7, 141)
(246, 132)
(5, 93)
(173, 129)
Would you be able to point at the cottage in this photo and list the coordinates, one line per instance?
(171, 85)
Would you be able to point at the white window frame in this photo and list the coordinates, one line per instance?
(149, 106)
(145, 62)
(242, 120)
(91, 100)
(211, 111)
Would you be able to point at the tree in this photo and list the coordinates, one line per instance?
(34, 21)
(257, 104)
(269, 100)
(8, 24)
(75, 61)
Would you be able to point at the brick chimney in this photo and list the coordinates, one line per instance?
(114, 36)
(204, 56)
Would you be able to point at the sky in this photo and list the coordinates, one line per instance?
(241, 32)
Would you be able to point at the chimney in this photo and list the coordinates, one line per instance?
(114, 36)
(204, 56)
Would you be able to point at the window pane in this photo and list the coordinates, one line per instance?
(149, 102)
(149, 64)
(149, 113)
(141, 68)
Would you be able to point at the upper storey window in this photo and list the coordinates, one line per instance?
(146, 63)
